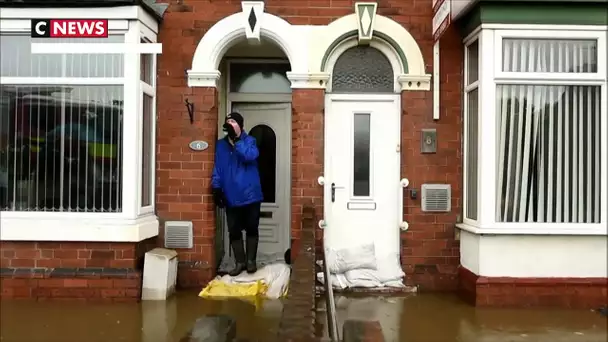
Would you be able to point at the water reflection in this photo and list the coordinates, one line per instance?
(444, 318)
(417, 318)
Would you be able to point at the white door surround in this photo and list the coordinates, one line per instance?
(307, 47)
(362, 171)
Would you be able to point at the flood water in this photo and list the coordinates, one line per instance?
(416, 318)
(445, 318)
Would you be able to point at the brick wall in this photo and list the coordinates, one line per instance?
(577, 293)
(72, 270)
(430, 254)
(17, 254)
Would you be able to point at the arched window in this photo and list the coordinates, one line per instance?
(267, 161)
(362, 69)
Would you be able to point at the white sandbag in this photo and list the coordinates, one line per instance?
(275, 276)
(394, 283)
(388, 269)
(369, 283)
(337, 281)
(343, 260)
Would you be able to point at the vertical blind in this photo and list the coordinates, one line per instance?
(549, 137)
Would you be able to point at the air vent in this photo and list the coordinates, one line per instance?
(436, 197)
(178, 234)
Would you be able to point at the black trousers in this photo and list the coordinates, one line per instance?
(245, 218)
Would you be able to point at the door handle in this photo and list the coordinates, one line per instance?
(333, 191)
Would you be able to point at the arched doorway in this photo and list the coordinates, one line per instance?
(255, 84)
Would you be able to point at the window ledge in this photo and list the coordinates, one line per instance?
(71, 229)
(553, 229)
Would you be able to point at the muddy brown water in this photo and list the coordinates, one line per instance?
(416, 318)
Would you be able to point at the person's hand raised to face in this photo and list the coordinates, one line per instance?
(234, 130)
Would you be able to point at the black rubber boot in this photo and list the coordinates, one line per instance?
(252, 251)
(239, 256)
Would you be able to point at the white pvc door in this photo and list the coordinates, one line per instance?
(362, 168)
(269, 123)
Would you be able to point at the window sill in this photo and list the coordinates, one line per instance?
(79, 229)
(536, 229)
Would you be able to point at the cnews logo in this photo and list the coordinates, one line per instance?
(69, 28)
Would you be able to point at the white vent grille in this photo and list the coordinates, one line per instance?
(178, 234)
(436, 197)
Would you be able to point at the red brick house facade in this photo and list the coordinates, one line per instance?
(439, 250)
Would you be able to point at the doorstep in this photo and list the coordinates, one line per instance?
(96, 284)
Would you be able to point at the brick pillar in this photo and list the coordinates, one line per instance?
(307, 156)
(183, 188)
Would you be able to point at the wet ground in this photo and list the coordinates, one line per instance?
(417, 318)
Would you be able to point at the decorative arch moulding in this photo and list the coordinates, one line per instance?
(310, 48)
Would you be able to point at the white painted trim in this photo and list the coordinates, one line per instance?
(147, 20)
(224, 33)
(336, 29)
(313, 80)
(132, 129)
(147, 34)
(436, 75)
(487, 131)
(203, 78)
(147, 89)
(472, 36)
(73, 229)
(99, 48)
(533, 27)
(62, 80)
(536, 229)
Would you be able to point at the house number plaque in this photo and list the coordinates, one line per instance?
(199, 145)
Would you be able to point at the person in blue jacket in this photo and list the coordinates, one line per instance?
(236, 186)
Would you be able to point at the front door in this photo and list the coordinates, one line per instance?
(362, 169)
(270, 124)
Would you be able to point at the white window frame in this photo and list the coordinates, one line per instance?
(134, 223)
(490, 75)
(465, 100)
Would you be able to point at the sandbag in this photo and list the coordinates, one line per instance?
(275, 276)
(337, 281)
(346, 259)
(388, 270)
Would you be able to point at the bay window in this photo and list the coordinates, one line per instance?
(542, 137)
(76, 144)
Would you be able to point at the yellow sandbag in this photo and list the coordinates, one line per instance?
(217, 288)
(252, 292)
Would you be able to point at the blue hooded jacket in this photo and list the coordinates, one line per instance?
(236, 171)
